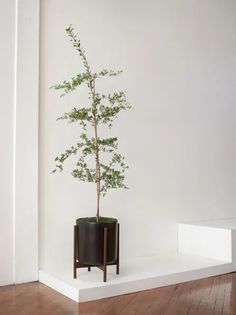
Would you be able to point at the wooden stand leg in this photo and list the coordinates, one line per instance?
(77, 264)
(76, 234)
(105, 255)
(118, 252)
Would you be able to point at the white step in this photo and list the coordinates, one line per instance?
(205, 249)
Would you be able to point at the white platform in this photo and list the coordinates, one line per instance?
(205, 249)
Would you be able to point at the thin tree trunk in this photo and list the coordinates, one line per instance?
(91, 86)
(97, 174)
(98, 179)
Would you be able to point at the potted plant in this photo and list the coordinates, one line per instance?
(106, 173)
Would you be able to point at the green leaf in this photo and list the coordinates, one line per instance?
(109, 73)
(70, 86)
(77, 115)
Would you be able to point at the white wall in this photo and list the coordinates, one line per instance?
(19, 141)
(26, 142)
(179, 68)
(7, 53)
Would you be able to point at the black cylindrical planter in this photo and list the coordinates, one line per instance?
(91, 241)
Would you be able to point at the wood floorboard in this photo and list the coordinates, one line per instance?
(228, 287)
(210, 296)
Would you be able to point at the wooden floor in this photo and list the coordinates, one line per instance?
(215, 295)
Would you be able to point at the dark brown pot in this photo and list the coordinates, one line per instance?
(91, 238)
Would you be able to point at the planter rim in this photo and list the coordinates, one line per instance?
(81, 220)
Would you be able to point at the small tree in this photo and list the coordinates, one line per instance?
(102, 109)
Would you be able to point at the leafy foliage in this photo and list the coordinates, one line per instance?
(102, 109)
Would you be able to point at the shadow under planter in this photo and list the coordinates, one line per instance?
(96, 244)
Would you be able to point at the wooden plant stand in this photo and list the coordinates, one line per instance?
(103, 267)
